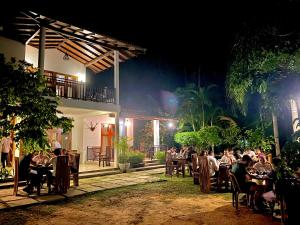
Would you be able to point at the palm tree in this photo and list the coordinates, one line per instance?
(194, 104)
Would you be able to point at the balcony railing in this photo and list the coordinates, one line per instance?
(67, 88)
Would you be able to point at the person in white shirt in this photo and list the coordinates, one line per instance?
(226, 158)
(212, 163)
(56, 145)
(5, 148)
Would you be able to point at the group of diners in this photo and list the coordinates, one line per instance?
(229, 159)
(39, 167)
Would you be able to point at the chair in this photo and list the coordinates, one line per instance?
(169, 165)
(204, 175)
(61, 180)
(195, 170)
(105, 157)
(236, 190)
(223, 177)
(93, 152)
(74, 168)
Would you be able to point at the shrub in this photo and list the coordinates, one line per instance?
(186, 138)
(135, 158)
(160, 156)
(291, 154)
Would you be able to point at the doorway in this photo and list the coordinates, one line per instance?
(107, 138)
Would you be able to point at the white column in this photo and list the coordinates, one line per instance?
(295, 116)
(116, 77)
(117, 134)
(156, 133)
(41, 60)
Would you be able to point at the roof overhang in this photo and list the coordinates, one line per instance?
(93, 50)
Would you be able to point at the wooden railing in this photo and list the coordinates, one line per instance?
(68, 88)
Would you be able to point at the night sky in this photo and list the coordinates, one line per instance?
(182, 39)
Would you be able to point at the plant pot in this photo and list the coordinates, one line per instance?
(124, 167)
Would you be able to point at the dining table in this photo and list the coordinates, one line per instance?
(41, 171)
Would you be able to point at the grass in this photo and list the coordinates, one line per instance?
(168, 186)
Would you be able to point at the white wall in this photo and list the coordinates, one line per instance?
(77, 134)
(11, 48)
(93, 138)
(54, 62)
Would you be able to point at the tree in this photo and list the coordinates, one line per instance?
(146, 137)
(210, 136)
(263, 60)
(27, 107)
(194, 104)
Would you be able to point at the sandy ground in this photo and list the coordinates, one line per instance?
(142, 205)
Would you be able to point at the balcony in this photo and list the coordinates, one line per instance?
(66, 87)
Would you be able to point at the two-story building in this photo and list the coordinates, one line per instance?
(63, 53)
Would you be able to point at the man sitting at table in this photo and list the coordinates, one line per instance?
(243, 178)
(25, 173)
(226, 158)
(212, 163)
(262, 166)
(40, 159)
(51, 174)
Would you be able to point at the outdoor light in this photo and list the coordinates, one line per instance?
(170, 125)
(127, 123)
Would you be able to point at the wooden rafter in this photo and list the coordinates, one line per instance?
(89, 48)
(98, 58)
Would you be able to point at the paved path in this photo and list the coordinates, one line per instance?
(88, 185)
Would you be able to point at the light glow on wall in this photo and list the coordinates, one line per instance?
(81, 77)
(170, 125)
(127, 123)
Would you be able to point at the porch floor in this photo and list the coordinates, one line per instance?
(94, 165)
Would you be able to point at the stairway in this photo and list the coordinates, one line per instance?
(98, 173)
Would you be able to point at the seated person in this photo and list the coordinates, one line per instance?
(173, 152)
(262, 166)
(64, 152)
(212, 163)
(231, 155)
(239, 169)
(249, 152)
(51, 174)
(25, 173)
(226, 158)
(40, 159)
(237, 155)
(183, 153)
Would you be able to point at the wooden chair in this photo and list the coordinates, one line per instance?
(93, 152)
(204, 175)
(223, 177)
(236, 190)
(169, 164)
(104, 158)
(74, 168)
(195, 169)
(61, 180)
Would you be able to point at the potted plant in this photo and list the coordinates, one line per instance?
(123, 154)
(135, 159)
